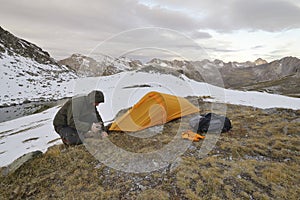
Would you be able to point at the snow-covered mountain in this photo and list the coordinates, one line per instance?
(101, 65)
(13, 45)
(28, 73)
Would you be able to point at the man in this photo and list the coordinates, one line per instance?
(79, 115)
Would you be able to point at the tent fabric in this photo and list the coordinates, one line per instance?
(153, 109)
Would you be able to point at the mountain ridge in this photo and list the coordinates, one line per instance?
(17, 46)
(29, 73)
(102, 65)
(233, 74)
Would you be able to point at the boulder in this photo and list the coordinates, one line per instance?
(19, 162)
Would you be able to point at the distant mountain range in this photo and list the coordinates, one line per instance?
(103, 65)
(279, 76)
(26, 68)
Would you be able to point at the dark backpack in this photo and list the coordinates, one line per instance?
(210, 122)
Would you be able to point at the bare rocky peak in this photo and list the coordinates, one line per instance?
(79, 62)
(176, 64)
(279, 68)
(290, 64)
(13, 45)
(260, 61)
(206, 62)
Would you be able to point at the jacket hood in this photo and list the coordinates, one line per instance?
(96, 96)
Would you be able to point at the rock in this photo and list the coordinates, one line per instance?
(175, 164)
(285, 130)
(19, 162)
(270, 111)
(296, 120)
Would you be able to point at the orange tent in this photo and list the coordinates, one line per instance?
(153, 109)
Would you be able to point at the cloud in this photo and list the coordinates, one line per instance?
(162, 17)
(257, 47)
(230, 15)
(222, 50)
(154, 41)
(66, 27)
(200, 35)
(266, 15)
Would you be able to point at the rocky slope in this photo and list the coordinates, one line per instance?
(29, 73)
(288, 66)
(279, 76)
(13, 46)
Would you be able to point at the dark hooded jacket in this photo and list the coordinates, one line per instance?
(79, 113)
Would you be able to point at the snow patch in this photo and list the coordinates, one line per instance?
(118, 95)
(25, 79)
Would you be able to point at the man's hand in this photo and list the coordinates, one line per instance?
(96, 127)
(104, 134)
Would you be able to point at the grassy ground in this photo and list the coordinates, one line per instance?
(286, 86)
(258, 159)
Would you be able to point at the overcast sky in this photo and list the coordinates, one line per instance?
(230, 30)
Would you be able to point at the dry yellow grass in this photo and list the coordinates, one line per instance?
(258, 159)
